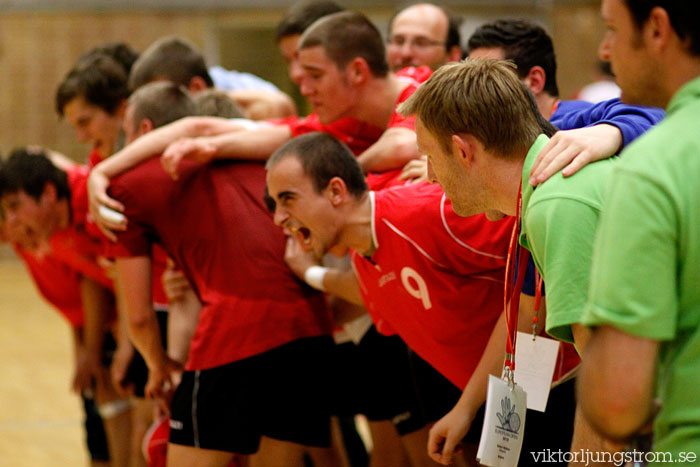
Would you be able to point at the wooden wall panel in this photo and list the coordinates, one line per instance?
(37, 49)
(577, 31)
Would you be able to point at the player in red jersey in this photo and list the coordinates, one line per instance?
(45, 215)
(251, 338)
(60, 286)
(431, 277)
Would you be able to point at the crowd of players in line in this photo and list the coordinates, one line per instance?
(259, 348)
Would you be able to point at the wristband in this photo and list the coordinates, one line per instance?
(314, 277)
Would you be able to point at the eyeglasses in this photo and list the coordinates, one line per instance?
(415, 43)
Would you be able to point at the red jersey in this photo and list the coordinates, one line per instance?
(94, 158)
(414, 77)
(215, 226)
(57, 283)
(355, 134)
(160, 299)
(435, 278)
(80, 244)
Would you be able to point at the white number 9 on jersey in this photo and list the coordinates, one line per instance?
(420, 291)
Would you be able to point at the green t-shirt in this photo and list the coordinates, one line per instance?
(645, 279)
(560, 218)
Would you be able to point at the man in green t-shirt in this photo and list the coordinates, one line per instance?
(481, 130)
(644, 298)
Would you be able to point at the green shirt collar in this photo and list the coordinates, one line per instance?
(527, 189)
(688, 93)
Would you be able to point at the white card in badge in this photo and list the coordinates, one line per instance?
(536, 360)
(504, 424)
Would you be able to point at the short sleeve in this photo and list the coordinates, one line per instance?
(634, 271)
(134, 241)
(560, 235)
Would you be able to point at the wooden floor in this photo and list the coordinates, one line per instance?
(40, 419)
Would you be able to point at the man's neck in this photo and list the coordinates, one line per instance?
(379, 100)
(683, 71)
(505, 185)
(357, 226)
(547, 104)
(62, 215)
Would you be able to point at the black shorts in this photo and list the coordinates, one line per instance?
(433, 397)
(137, 373)
(282, 394)
(557, 421)
(372, 377)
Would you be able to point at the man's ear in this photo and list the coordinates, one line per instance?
(145, 126)
(357, 71)
(463, 149)
(49, 194)
(536, 79)
(454, 54)
(336, 191)
(196, 85)
(657, 31)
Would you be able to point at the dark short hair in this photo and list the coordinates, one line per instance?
(523, 42)
(122, 52)
(161, 102)
(345, 36)
(454, 23)
(29, 171)
(683, 14)
(322, 158)
(171, 58)
(99, 79)
(302, 15)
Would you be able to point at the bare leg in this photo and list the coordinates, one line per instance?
(117, 425)
(182, 320)
(387, 446)
(334, 456)
(187, 456)
(275, 453)
(141, 420)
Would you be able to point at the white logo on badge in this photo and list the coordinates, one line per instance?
(420, 291)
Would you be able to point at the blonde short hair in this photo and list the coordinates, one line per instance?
(480, 97)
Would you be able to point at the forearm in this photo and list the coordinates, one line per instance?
(491, 363)
(617, 410)
(77, 342)
(256, 144)
(97, 304)
(394, 149)
(134, 274)
(154, 142)
(262, 105)
(121, 330)
(343, 284)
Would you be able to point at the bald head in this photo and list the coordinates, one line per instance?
(423, 34)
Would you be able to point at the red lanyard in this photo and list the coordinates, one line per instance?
(538, 301)
(511, 306)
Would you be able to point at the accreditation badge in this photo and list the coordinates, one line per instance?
(504, 423)
(536, 357)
